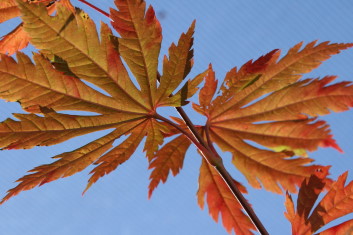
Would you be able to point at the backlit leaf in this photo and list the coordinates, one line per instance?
(284, 117)
(8, 10)
(69, 163)
(336, 203)
(220, 200)
(169, 158)
(177, 66)
(14, 41)
(71, 52)
(117, 156)
(140, 42)
(207, 92)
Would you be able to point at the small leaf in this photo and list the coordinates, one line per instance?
(8, 10)
(187, 91)
(140, 42)
(207, 92)
(14, 41)
(117, 156)
(221, 200)
(155, 136)
(168, 158)
(335, 204)
(177, 66)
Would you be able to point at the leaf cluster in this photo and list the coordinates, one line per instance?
(263, 113)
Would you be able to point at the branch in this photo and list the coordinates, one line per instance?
(222, 171)
(215, 160)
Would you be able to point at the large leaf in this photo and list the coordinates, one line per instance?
(281, 115)
(57, 81)
(335, 204)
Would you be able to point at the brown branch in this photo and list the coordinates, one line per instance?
(212, 157)
(241, 199)
(190, 137)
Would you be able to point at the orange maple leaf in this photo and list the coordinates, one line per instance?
(264, 102)
(55, 83)
(284, 118)
(335, 204)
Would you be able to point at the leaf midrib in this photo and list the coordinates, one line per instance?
(280, 107)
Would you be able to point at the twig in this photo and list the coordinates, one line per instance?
(215, 160)
(95, 8)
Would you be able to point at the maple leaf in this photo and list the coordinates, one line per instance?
(335, 204)
(55, 82)
(265, 103)
(79, 69)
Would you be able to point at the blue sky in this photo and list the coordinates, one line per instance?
(226, 35)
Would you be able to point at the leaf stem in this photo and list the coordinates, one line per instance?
(187, 134)
(208, 138)
(95, 8)
(191, 126)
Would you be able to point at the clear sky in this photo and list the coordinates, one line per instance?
(228, 33)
